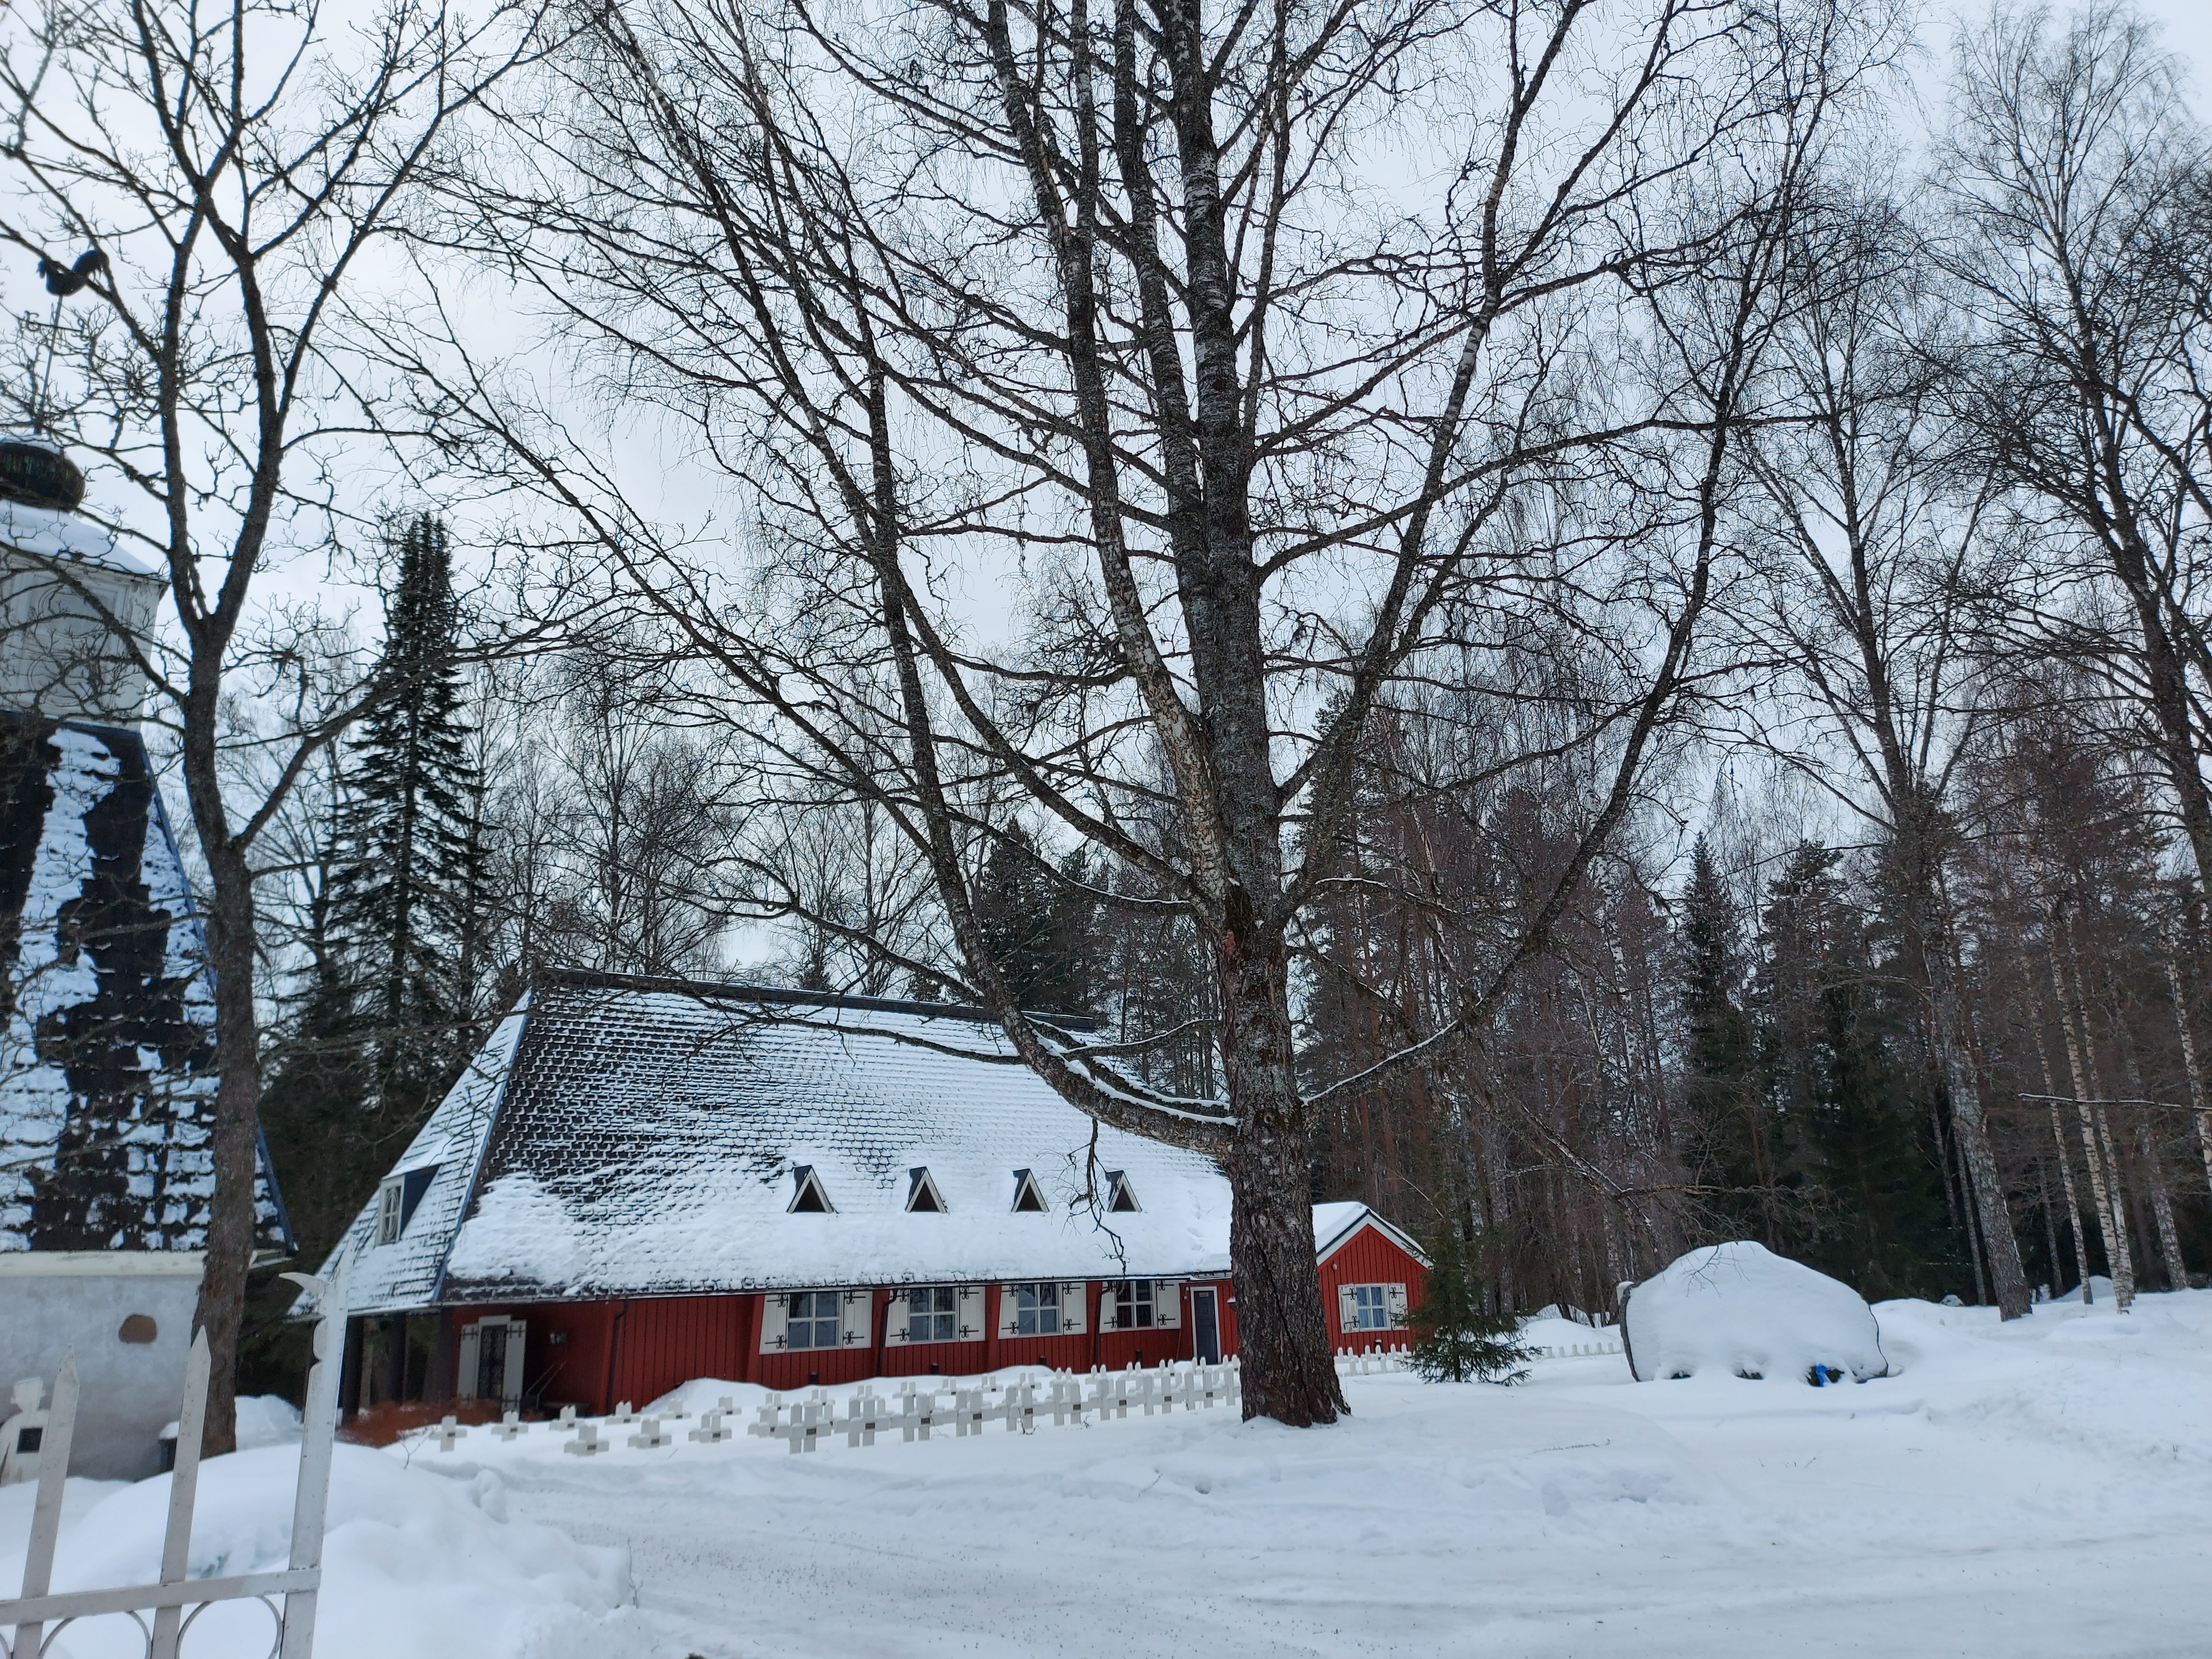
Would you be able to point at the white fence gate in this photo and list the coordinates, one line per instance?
(30, 1622)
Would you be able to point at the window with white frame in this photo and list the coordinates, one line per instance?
(1132, 1305)
(388, 1220)
(933, 1314)
(1371, 1307)
(812, 1320)
(1036, 1309)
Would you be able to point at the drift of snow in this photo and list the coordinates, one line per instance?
(263, 1420)
(2100, 1290)
(1741, 1311)
(2041, 1489)
(414, 1566)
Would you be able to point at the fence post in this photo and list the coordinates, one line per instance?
(311, 1501)
(184, 1487)
(46, 1517)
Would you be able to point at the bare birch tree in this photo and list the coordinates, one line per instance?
(2074, 181)
(1249, 353)
(1870, 525)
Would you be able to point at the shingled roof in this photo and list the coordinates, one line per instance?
(638, 1137)
(106, 1016)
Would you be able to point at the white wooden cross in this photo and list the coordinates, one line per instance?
(710, 1431)
(864, 1413)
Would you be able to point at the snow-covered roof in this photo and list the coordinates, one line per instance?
(49, 532)
(107, 1011)
(636, 1138)
(1335, 1224)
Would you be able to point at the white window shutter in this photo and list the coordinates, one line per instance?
(1394, 1300)
(1072, 1294)
(969, 1325)
(1167, 1304)
(1348, 1308)
(897, 1320)
(472, 1362)
(776, 1321)
(1009, 1313)
(517, 1346)
(856, 1321)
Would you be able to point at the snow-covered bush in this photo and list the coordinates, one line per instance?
(1741, 1310)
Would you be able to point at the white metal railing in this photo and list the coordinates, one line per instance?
(30, 1622)
(1574, 1350)
(920, 1407)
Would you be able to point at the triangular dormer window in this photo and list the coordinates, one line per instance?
(1120, 1195)
(810, 1198)
(922, 1197)
(1028, 1201)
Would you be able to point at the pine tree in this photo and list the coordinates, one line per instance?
(1456, 1340)
(1720, 1057)
(408, 853)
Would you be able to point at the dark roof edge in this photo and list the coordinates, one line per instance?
(709, 991)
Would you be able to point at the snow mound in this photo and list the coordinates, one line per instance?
(2100, 1292)
(410, 1558)
(1741, 1310)
(267, 1420)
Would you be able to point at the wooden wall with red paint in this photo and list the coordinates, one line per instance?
(594, 1355)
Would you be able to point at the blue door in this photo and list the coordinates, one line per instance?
(1204, 1326)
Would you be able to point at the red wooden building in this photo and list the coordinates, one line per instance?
(638, 1183)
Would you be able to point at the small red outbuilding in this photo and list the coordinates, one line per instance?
(1370, 1274)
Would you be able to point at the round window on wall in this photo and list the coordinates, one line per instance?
(138, 1327)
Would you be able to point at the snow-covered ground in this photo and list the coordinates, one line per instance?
(2040, 1489)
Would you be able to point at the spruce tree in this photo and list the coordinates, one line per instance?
(1036, 922)
(1720, 1057)
(1838, 1050)
(408, 857)
(1455, 1338)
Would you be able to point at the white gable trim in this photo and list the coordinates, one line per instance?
(484, 1147)
(1364, 1219)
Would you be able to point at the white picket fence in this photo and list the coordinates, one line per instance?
(176, 1600)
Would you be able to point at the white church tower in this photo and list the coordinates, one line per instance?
(73, 601)
(107, 1076)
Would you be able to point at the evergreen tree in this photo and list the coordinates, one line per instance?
(1455, 1338)
(1837, 1043)
(1720, 1055)
(1036, 922)
(408, 853)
